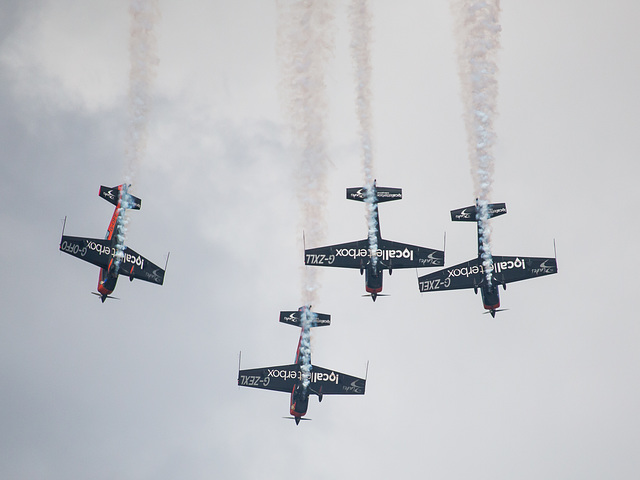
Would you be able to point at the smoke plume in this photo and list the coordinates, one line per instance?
(360, 26)
(305, 45)
(143, 56)
(478, 35)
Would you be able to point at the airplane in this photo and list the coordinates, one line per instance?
(291, 378)
(472, 274)
(113, 259)
(386, 255)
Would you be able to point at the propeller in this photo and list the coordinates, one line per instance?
(104, 297)
(376, 296)
(297, 419)
(493, 312)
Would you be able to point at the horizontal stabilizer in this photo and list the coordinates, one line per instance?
(112, 195)
(469, 214)
(381, 194)
(295, 318)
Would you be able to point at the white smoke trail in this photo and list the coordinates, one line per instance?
(143, 51)
(360, 20)
(143, 64)
(478, 32)
(305, 44)
(307, 320)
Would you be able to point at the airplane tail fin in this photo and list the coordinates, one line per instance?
(112, 195)
(295, 317)
(382, 194)
(468, 214)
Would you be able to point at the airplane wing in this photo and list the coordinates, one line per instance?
(403, 255)
(281, 378)
(464, 275)
(134, 265)
(329, 382)
(345, 255)
(391, 255)
(100, 252)
(514, 269)
(93, 250)
(471, 274)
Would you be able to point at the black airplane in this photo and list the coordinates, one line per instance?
(472, 274)
(291, 378)
(106, 254)
(374, 255)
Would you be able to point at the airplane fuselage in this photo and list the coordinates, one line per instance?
(299, 394)
(490, 298)
(373, 281)
(108, 277)
(373, 272)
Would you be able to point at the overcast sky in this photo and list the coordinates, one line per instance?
(145, 387)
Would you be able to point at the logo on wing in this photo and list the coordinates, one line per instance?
(155, 276)
(544, 268)
(464, 214)
(432, 259)
(355, 387)
(358, 193)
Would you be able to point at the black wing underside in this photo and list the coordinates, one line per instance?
(284, 378)
(464, 275)
(330, 382)
(100, 252)
(391, 255)
(280, 378)
(343, 255)
(471, 274)
(514, 269)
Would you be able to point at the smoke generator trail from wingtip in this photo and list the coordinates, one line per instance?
(478, 34)
(305, 46)
(360, 20)
(143, 57)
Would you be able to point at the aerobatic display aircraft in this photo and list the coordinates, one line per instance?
(374, 255)
(472, 274)
(293, 379)
(113, 259)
